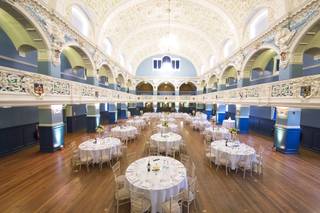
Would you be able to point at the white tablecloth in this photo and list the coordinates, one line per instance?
(200, 124)
(157, 186)
(166, 141)
(152, 115)
(171, 128)
(109, 145)
(234, 152)
(217, 133)
(168, 120)
(229, 124)
(124, 132)
(139, 123)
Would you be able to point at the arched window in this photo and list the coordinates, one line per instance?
(107, 46)
(228, 48)
(121, 59)
(212, 61)
(80, 20)
(258, 23)
(202, 69)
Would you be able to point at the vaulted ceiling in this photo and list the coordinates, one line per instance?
(200, 27)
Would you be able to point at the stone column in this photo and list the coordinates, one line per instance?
(221, 113)
(112, 113)
(287, 130)
(51, 128)
(209, 111)
(93, 117)
(242, 118)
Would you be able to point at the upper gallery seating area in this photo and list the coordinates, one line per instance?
(159, 106)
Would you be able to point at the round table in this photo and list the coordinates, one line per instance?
(234, 152)
(171, 127)
(168, 120)
(217, 133)
(110, 145)
(157, 186)
(124, 132)
(201, 124)
(166, 141)
(139, 123)
(229, 124)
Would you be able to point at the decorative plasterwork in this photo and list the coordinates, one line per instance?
(19, 88)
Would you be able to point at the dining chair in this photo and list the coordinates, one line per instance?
(131, 157)
(118, 177)
(170, 150)
(190, 195)
(244, 165)
(121, 195)
(75, 162)
(154, 149)
(209, 154)
(105, 157)
(191, 173)
(258, 162)
(185, 160)
(138, 203)
(222, 159)
(174, 205)
(86, 159)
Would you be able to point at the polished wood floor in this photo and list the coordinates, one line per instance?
(31, 181)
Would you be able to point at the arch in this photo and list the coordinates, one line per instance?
(120, 80)
(80, 20)
(105, 75)
(188, 88)
(229, 47)
(213, 82)
(127, 4)
(76, 64)
(107, 46)
(257, 22)
(229, 76)
(129, 84)
(144, 88)
(308, 38)
(311, 61)
(23, 31)
(261, 61)
(166, 88)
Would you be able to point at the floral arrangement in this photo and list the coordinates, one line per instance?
(165, 124)
(100, 129)
(233, 131)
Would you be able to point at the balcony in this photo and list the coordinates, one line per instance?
(144, 92)
(166, 93)
(187, 92)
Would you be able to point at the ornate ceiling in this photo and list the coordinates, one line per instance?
(201, 27)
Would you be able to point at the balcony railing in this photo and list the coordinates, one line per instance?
(166, 93)
(20, 88)
(144, 92)
(187, 92)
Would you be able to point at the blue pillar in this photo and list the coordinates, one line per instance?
(93, 117)
(123, 111)
(209, 111)
(287, 130)
(112, 113)
(221, 113)
(242, 119)
(51, 128)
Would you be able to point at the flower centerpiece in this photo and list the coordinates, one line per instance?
(233, 132)
(99, 130)
(165, 124)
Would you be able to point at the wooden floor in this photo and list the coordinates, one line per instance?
(31, 181)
